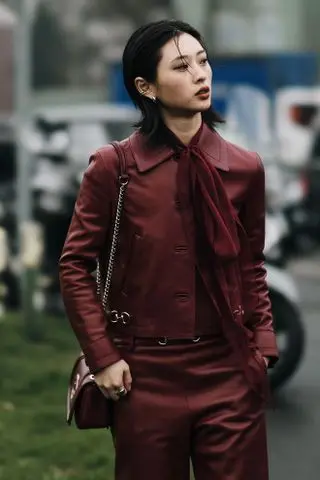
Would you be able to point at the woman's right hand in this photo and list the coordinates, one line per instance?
(111, 379)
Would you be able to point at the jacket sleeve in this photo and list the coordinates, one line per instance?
(253, 220)
(85, 239)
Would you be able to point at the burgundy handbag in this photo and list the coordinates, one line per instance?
(85, 401)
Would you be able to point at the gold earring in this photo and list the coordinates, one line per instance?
(153, 98)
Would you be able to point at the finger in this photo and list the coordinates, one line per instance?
(127, 379)
(114, 395)
(104, 391)
(110, 393)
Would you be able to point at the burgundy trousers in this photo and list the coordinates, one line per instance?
(190, 401)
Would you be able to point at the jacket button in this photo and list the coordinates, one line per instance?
(181, 248)
(182, 296)
(178, 204)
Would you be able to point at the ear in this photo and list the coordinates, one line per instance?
(144, 88)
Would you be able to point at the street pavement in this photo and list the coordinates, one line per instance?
(294, 419)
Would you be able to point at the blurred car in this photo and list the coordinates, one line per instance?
(87, 126)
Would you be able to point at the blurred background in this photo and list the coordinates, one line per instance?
(61, 97)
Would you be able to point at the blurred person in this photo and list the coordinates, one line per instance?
(188, 373)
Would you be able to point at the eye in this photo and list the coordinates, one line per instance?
(204, 61)
(182, 68)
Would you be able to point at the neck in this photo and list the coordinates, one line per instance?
(183, 128)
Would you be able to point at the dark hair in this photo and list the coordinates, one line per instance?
(140, 59)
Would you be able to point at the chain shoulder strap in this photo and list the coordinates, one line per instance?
(123, 182)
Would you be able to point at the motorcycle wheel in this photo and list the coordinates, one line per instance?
(290, 338)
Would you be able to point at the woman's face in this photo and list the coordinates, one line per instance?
(184, 76)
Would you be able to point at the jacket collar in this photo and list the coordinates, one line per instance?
(147, 157)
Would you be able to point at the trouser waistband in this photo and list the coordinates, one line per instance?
(149, 341)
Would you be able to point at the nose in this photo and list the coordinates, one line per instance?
(199, 75)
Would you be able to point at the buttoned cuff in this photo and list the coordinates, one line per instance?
(101, 354)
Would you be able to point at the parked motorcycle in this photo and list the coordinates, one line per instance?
(286, 311)
(53, 200)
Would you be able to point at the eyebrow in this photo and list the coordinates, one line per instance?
(185, 57)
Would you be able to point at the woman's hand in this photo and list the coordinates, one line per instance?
(114, 381)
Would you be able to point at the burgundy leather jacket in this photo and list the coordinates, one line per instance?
(154, 276)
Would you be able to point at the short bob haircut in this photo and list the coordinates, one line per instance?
(140, 59)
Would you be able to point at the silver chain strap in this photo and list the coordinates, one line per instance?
(113, 249)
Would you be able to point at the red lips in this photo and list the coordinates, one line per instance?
(203, 91)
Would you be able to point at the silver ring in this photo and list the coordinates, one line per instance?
(121, 392)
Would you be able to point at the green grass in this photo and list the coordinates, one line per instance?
(36, 443)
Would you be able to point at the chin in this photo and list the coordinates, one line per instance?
(192, 110)
(203, 105)
(205, 108)
(206, 105)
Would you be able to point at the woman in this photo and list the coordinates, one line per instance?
(188, 372)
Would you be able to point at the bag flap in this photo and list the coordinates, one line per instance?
(79, 377)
